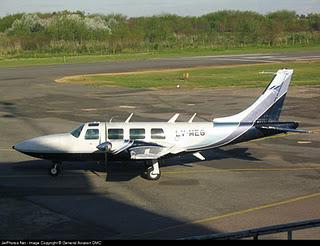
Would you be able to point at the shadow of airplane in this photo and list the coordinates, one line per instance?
(212, 154)
(127, 170)
(37, 207)
(91, 212)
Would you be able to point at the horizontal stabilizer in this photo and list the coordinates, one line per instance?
(282, 129)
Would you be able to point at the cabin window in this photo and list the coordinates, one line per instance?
(76, 132)
(115, 133)
(157, 133)
(137, 133)
(92, 134)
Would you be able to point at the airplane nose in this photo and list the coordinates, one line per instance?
(43, 144)
(24, 146)
(19, 146)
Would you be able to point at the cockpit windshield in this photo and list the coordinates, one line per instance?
(76, 132)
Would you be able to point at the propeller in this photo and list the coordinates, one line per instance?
(105, 147)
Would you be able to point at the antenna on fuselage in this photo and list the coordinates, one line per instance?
(129, 118)
(113, 118)
(173, 118)
(191, 119)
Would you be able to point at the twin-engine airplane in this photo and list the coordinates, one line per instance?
(153, 141)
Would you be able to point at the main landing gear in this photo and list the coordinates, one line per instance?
(152, 171)
(55, 169)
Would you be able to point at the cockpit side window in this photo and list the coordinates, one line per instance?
(76, 132)
(92, 134)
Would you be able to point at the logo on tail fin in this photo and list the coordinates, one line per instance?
(273, 113)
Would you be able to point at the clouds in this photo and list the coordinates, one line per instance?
(151, 7)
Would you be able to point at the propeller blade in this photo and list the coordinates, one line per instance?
(106, 163)
(105, 147)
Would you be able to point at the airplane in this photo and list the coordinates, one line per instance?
(151, 142)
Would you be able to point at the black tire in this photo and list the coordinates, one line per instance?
(54, 170)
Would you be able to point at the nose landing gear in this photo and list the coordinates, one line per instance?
(55, 169)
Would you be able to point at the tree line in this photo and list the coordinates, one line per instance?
(79, 33)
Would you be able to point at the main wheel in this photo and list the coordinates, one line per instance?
(151, 175)
(54, 170)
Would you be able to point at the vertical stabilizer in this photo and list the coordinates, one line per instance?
(267, 107)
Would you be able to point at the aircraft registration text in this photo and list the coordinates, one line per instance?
(190, 133)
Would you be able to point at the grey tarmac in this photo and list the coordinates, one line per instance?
(253, 184)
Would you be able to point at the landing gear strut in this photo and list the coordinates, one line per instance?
(55, 169)
(152, 170)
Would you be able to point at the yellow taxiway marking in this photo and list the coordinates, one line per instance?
(235, 213)
(276, 136)
(285, 169)
(37, 175)
(89, 173)
(6, 149)
(81, 77)
(227, 170)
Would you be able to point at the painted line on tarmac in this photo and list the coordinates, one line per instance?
(299, 58)
(87, 173)
(38, 175)
(7, 150)
(66, 79)
(231, 214)
(304, 142)
(66, 173)
(251, 60)
(243, 170)
(127, 106)
(89, 109)
(276, 136)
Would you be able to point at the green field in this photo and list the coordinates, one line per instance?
(305, 73)
(51, 59)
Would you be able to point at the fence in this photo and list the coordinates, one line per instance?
(255, 233)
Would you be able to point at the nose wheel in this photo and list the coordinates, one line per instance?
(55, 169)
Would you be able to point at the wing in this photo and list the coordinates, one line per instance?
(147, 151)
(140, 150)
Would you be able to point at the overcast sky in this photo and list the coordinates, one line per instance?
(151, 7)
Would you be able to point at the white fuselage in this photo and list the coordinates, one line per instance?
(178, 136)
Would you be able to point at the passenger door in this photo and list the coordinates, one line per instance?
(92, 138)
